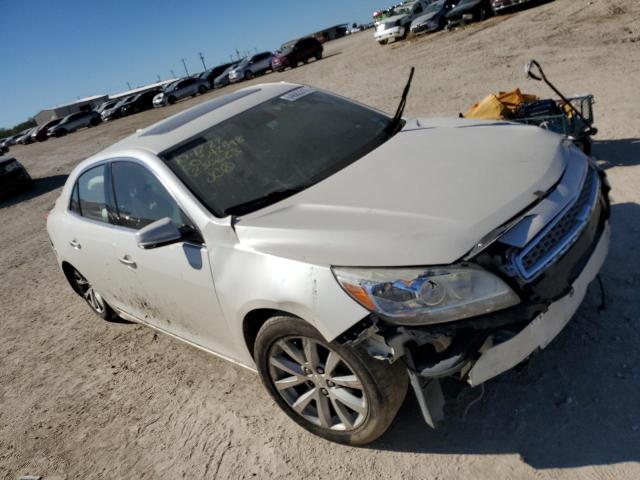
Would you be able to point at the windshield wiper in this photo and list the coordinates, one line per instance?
(265, 200)
(396, 122)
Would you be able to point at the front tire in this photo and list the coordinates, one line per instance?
(248, 75)
(335, 391)
(95, 301)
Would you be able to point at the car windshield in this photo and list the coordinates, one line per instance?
(243, 63)
(434, 7)
(402, 11)
(275, 149)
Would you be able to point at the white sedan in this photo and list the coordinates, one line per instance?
(342, 253)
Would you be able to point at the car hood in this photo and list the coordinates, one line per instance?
(425, 18)
(460, 9)
(425, 197)
(394, 19)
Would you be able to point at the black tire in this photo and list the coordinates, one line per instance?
(305, 61)
(248, 75)
(95, 301)
(384, 385)
(318, 55)
(94, 122)
(202, 89)
(171, 100)
(61, 133)
(383, 42)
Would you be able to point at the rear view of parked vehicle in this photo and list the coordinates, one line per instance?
(248, 68)
(186, 87)
(211, 74)
(267, 227)
(25, 137)
(40, 133)
(13, 177)
(434, 17)
(468, 11)
(301, 50)
(222, 80)
(74, 122)
(114, 109)
(139, 102)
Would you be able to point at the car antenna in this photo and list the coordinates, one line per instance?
(396, 121)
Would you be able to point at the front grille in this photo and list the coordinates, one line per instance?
(560, 234)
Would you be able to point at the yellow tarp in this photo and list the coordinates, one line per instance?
(500, 106)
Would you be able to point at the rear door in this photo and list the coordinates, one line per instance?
(170, 287)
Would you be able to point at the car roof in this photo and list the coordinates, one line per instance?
(184, 125)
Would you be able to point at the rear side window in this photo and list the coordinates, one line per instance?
(91, 192)
(74, 203)
(140, 197)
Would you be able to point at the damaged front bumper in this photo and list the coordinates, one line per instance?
(478, 349)
(497, 359)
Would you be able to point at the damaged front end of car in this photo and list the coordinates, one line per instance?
(507, 298)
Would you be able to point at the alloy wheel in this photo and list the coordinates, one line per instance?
(317, 383)
(93, 298)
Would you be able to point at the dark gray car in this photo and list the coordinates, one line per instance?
(186, 87)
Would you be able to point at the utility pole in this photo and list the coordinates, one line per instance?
(184, 63)
(173, 74)
(202, 60)
(129, 85)
(159, 79)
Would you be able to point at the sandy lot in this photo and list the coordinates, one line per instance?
(80, 398)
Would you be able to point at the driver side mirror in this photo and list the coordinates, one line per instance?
(158, 234)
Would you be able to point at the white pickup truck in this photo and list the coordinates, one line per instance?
(397, 25)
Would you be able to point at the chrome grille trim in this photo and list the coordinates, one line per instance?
(558, 236)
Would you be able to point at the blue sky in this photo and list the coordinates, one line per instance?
(58, 51)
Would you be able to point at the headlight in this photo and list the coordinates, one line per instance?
(420, 296)
(10, 167)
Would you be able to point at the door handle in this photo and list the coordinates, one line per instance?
(75, 244)
(127, 261)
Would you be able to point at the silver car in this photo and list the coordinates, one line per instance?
(251, 66)
(74, 122)
(186, 87)
(340, 253)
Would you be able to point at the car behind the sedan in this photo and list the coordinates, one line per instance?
(14, 178)
(342, 253)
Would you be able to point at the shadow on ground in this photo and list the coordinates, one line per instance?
(576, 403)
(40, 187)
(624, 152)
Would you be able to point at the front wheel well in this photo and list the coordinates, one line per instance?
(254, 321)
(68, 270)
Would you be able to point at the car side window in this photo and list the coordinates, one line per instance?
(74, 203)
(140, 197)
(418, 9)
(91, 192)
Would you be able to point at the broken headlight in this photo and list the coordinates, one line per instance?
(420, 296)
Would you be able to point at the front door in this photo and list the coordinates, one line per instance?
(170, 287)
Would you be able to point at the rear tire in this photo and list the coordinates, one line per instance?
(202, 89)
(318, 55)
(171, 100)
(383, 42)
(353, 402)
(248, 75)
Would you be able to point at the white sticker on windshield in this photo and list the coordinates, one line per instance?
(296, 94)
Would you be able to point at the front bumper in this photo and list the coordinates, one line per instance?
(543, 329)
(426, 27)
(389, 33)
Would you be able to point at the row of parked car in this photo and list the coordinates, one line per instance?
(423, 16)
(290, 55)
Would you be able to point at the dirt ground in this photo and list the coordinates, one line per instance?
(80, 398)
